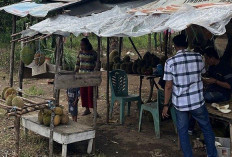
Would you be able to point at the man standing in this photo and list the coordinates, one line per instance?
(183, 82)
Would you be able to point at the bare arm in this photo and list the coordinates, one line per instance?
(168, 92)
(223, 84)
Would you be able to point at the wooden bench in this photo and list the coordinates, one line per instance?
(63, 134)
(225, 117)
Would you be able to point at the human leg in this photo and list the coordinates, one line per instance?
(192, 123)
(182, 120)
(202, 117)
(84, 100)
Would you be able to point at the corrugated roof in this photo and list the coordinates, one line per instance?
(170, 6)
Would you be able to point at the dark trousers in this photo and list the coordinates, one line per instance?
(87, 96)
(201, 116)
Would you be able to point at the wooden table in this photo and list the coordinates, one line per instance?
(215, 114)
(63, 134)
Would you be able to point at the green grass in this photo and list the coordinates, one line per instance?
(35, 91)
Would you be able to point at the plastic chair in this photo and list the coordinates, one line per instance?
(119, 92)
(153, 108)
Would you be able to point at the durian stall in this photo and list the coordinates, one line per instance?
(119, 22)
(212, 15)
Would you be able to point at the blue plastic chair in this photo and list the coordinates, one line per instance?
(154, 109)
(119, 92)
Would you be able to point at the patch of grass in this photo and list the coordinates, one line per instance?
(33, 90)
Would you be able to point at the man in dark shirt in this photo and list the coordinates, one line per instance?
(219, 83)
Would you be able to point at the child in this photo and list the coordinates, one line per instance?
(72, 98)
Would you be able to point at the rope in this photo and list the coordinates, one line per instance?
(51, 105)
(13, 109)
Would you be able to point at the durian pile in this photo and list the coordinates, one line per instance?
(10, 95)
(142, 66)
(44, 117)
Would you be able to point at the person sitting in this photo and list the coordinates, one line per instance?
(218, 85)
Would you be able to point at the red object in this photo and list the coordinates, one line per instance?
(87, 96)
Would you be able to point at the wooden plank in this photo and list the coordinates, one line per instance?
(77, 80)
(37, 70)
(90, 146)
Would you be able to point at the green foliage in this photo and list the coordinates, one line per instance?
(33, 90)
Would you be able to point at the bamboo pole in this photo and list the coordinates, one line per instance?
(51, 134)
(107, 86)
(12, 53)
(155, 40)
(16, 34)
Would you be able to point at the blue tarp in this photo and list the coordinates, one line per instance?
(31, 8)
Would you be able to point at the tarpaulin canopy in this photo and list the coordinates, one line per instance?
(30, 8)
(122, 22)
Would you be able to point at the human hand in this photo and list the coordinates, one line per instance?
(210, 81)
(165, 112)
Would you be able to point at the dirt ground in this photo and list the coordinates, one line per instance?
(112, 140)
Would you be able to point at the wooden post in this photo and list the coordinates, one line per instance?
(161, 44)
(149, 43)
(120, 46)
(17, 135)
(12, 51)
(21, 71)
(135, 47)
(95, 114)
(155, 40)
(99, 57)
(108, 83)
(166, 44)
(59, 49)
(51, 135)
(230, 138)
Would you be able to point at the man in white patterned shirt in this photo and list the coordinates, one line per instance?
(184, 84)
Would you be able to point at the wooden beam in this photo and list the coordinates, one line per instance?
(108, 83)
(12, 52)
(135, 47)
(62, 81)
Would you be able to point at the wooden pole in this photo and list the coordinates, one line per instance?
(155, 40)
(51, 135)
(149, 43)
(135, 47)
(21, 71)
(161, 43)
(98, 58)
(166, 44)
(120, 46)
(108, 83)
(12, 51)
(95, 114)
(17, 135)
(59, 49)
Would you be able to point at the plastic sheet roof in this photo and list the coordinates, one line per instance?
(31, 8)
(119, 22)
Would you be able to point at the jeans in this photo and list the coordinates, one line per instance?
(201, 115)
(214, 97)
